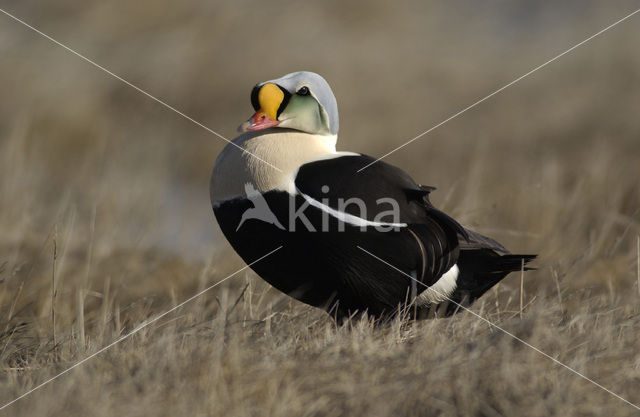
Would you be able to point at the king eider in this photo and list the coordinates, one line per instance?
(281, 183)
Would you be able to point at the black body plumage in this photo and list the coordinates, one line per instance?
(324, 265)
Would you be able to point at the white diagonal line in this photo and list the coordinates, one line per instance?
(504, 331)
(137, 329)
(501, 89)
(136, 87)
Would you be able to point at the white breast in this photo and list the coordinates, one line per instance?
(282, 148)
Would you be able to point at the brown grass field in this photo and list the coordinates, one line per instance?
(106, 222)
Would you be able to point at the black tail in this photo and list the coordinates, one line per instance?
(510, 263)
(481, 269)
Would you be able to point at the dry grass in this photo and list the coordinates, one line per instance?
(119, 185)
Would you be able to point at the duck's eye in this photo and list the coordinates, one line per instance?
(303, 91)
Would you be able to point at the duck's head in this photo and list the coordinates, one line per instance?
(300, 100)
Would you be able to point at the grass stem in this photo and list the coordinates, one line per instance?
(521, 288)
(53, 292)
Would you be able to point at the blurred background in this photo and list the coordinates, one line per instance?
(120, 183)
(550, 165)
(80, 146)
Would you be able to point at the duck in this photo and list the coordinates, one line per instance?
(349, 241)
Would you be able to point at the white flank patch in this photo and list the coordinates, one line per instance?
(442, 289)
(346, 217)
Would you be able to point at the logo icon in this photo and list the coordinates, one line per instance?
(260, 209)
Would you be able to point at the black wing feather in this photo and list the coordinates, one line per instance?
(341, 181)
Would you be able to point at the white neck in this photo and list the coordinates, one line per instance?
(283, 148)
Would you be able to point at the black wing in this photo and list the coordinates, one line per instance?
(377, 190)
